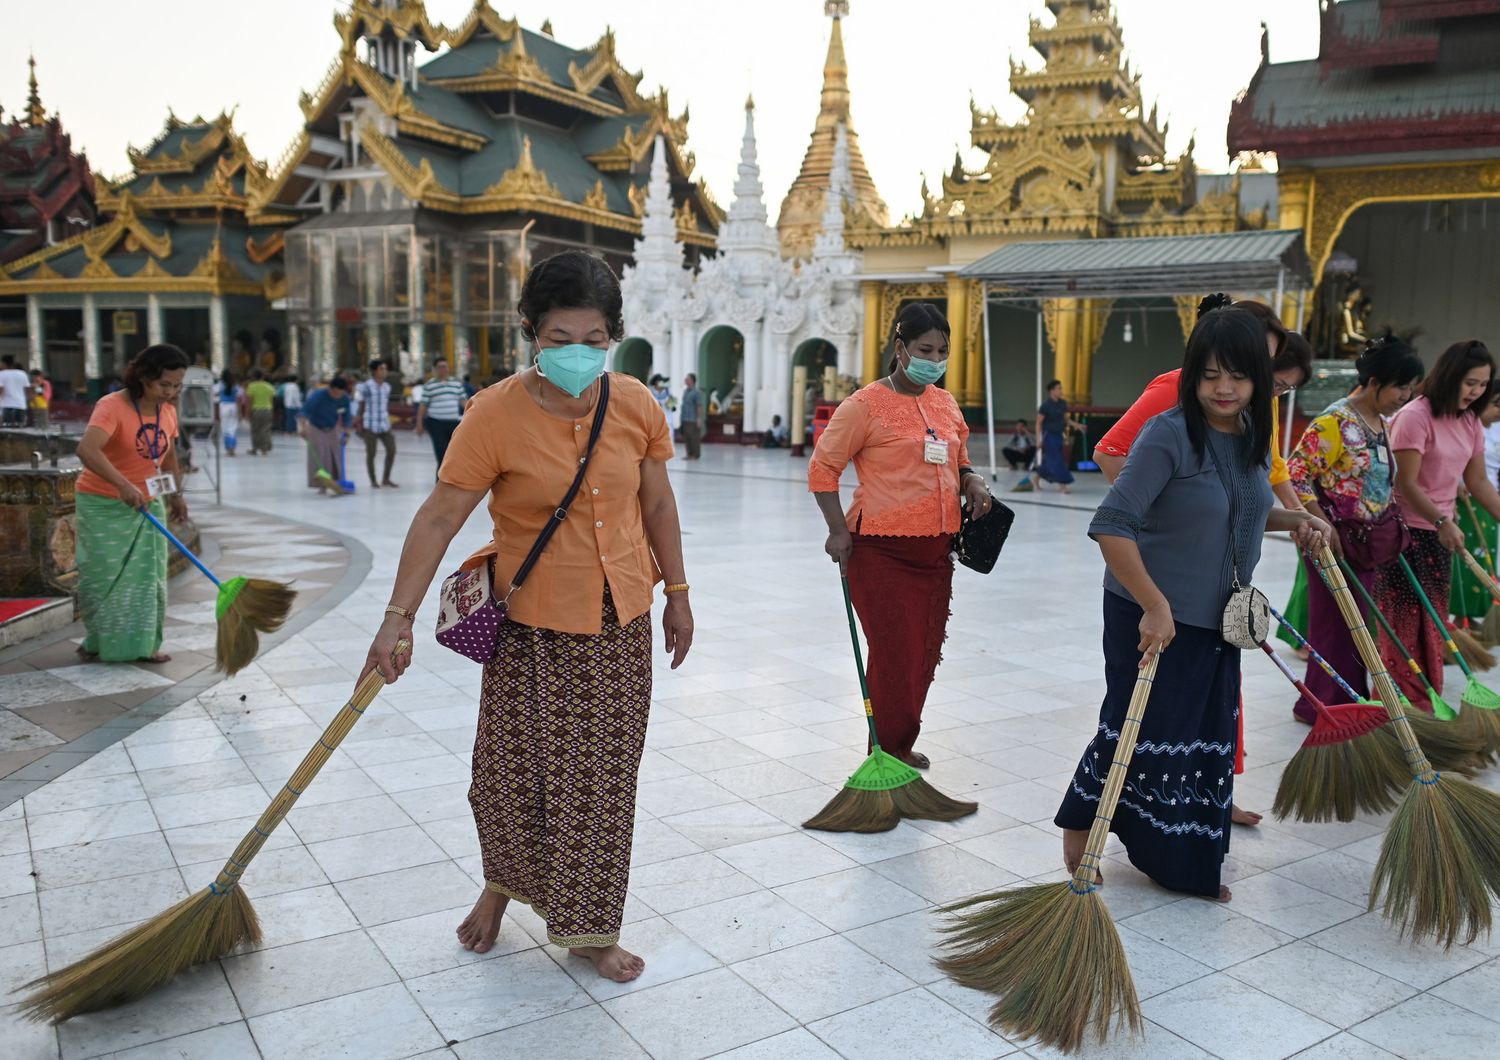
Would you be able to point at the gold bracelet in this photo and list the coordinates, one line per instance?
(398, 610)
(681, 587)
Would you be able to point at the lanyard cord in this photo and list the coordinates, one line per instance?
(154, 446)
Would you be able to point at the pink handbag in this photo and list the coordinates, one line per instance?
(469, 615)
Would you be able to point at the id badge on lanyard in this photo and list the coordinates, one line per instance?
(162, 484)
(934, 451)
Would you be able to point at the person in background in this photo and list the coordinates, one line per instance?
(663, 394)
(777, 435)
(1020, 450)
(909, 445)
(1053, 421)
(325, 416)
(372, 411)
(440, 409)
(1343, 471)
(260, 396)
(1439, 445)
(1471, 599)
(227, 396)
(126, 451)
(291, 401)
(41, 399)
(694, 416)
(13, 390)
(469, 388)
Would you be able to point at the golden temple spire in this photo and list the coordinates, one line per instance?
(36, 116)
(802, 209)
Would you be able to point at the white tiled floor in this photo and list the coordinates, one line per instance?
(762, 940)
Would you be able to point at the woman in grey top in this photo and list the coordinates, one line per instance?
(1182, 521)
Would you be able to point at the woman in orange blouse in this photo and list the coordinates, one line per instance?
(564, 703)
(908, 442)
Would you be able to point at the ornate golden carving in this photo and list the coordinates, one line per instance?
(596, 198)
(637, 196)
(524, 179)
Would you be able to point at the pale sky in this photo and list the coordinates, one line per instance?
(113, 68)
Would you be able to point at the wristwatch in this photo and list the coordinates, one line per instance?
(1437, 524)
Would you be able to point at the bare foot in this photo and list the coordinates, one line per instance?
(1224, 895)
(158, 657)
(1074, 841)
(917, 760)
(480, 927)
(84, 653)
(612, 962)
(1249, 818)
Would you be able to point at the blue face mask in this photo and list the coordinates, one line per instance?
(573, 367)
(924, 372)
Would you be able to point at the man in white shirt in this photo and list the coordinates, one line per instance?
(291, 401)
(14, 388)
(372, 411)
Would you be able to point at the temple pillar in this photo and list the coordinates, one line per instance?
(958, 341)
(155, 327)
(294, 350)
(1296, 199)
(974, 376)
(36, 333)
(873, 340)
(1061, 317)
(750, 377)
(92, 356)
(415, 363)
(218, 333)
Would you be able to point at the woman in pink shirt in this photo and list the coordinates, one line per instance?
(1439, 443)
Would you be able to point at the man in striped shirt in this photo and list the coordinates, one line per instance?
(372, 411)
(442, 405)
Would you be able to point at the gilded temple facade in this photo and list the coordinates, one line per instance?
(1088, 161)
(1388, 151)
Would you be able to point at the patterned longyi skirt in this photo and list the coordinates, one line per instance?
(562, 725)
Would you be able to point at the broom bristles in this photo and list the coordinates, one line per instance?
(1054, 957)
(1440, 861)
(1484, 725)
(921, 801)
(1451, 746)
(855, 810)
(1336, 781)
(1475, 654)
(1489, 632)
(258, 606)
(200, 928)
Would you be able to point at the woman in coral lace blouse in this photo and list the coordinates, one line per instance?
(908, 442)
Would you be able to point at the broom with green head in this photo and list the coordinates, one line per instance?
(1440, 860)
(1447, 746)
(1461, 640)
(201, 928)
(883, 789)
(1051, 950)
(1489, 630)
(246, 608)
(1481, 704)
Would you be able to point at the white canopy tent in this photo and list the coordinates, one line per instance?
(1273, 262)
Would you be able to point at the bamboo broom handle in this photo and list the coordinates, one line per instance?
(316, 757)
(1088, 866)
(1437, 619)
(1416, 760)
(1385, 624)
(1485, 579)
(1324, 664)
(1484, 549)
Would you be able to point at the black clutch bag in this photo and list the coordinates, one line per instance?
(979, 541)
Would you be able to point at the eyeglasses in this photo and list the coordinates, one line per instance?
(1281, 389)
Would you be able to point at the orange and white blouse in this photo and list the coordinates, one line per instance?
(886, 434)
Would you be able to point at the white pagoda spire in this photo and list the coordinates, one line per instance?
(830, 245)
(658, 247)
(745, 232)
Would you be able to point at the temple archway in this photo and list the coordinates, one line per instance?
(633, 357)
(816, 355)
(721, 355)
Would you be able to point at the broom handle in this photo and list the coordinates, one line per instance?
(1324, 664)
(1442, 627)
(154, 521)
(859, 664)
(1484, 549)
(316, 757)
(1385, 624)
(1416, 760)
(1088, 865)
(1296, 681)
(1485, 579)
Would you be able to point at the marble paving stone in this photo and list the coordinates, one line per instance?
(229, 1041)
(70, 827)
(268, 980)
(422, 773)
(730, 825)
(102, 679)
(434, 803)
(37, 687)
(672, 955)
(1477, 990)
(1345, 1047)
(688, 882)
(1245, 1024)
(183, 780)
(409, 892)
(907, 943)
(66, 910)
(784, 859)
(1208, 932)
(383, 1023)
(666, 798)
(19, 920)
(19, 964)
(1370, 942)
(194, 1000)
(335, 820)
(66, 793)
(905, 1025)
(797, 1044)
(477, 999)
(72, 718)
(424, 944)
(297, 916)
(376, 852)
(725, 1012)
(585, 1032)
(18, 734)
(276, 871)
(872, 848)
(1024, 851)
(852, 898)
(218, 839)
(822, 977)
(221, 804)
(1345, 992)
(739, 928)
(1430, 1026)
(182, 752)
(1289, 906)
(655, 842)
(944, 873)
